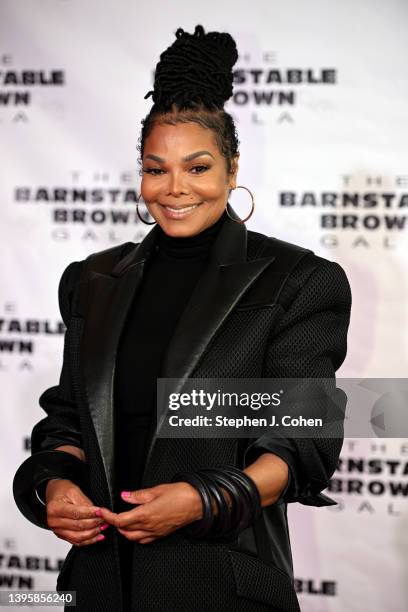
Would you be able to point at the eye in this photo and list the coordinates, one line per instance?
(200, 168)
(157, 171)
(152, 171)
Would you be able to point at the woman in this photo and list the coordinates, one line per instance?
(152, 527)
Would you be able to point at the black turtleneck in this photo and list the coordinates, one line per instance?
(168, 280)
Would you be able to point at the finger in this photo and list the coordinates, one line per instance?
(140, 496)
(72, 511)
(106, 514)
(71, 524)
(123, 519)
(95, 540)
(78, 537)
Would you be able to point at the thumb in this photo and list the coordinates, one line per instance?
(140, 496)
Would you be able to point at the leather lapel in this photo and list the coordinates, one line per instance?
(109, 299)
(226, 277)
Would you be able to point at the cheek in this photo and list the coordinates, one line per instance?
(211, 188)
(149, 189)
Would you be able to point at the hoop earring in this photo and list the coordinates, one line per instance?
(252, 205)
(139, 215)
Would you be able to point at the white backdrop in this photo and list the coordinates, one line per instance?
(321, 108)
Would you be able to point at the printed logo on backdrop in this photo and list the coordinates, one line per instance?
(23, 89)
(20, 570)
(316, 593)
(90, 206)
(314, 586)
(269, 91)
(371, 481)
(362, 210)
(367, 210)
(19, 337)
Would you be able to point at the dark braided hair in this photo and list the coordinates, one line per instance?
(192, 82)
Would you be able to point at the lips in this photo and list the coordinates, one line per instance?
(179, 212)
(182, 207)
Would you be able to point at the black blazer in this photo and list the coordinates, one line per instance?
(262, 308)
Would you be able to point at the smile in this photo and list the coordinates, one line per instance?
(175, 212)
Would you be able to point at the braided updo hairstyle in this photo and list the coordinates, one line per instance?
(192, 82)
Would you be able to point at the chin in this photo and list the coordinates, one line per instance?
(182, 227)
(179, 229)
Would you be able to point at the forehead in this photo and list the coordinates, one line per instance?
(180, 139)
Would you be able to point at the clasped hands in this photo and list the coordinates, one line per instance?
(156, 512)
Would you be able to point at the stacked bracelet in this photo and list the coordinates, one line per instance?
(203, 526)
(210, 482)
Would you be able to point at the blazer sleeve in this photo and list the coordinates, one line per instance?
(60, 426)
(310, 341)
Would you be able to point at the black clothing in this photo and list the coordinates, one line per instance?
(272, 309)
(167, 284)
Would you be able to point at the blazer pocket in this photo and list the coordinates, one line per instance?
(267, 584)
(64, 574)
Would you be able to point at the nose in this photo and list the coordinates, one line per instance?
(177, 185)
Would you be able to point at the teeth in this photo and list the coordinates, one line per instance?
(181, 210)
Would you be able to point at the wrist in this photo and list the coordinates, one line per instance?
(54, 484)
(41, 490)
(195, 500)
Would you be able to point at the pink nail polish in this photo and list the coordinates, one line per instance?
(98, 512)
(104, 526)
(126, 493)
(100, 537)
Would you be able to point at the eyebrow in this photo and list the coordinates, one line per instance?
(185, 159)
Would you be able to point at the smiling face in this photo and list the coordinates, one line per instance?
(185, 182)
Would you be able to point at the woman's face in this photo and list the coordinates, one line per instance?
(185, 182)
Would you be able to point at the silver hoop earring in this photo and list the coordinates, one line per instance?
(252, 205)
(139, 215)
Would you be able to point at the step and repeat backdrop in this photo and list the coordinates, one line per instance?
(320, 102)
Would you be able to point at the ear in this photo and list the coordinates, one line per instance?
(234, 172)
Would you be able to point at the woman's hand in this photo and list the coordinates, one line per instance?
(160, 510)
(71, 514)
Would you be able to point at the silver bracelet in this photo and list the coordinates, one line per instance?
(36, 492)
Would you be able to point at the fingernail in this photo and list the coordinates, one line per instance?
(98, 512)
(100, 537)
(104, 526)
(126, 493)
